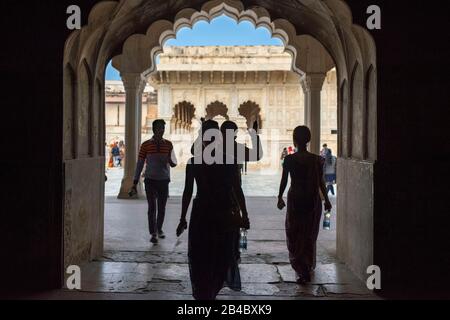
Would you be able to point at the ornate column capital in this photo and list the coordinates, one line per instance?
(133, 81)
(313, 81)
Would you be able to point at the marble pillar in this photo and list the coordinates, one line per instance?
(134, 87)
(312, 87)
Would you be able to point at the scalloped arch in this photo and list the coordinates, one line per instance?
(217, 108)
(211, 5)
(187, 104)
(184, 101)
(112, 23)
(251, 111)
(114, 15)
(161, 31)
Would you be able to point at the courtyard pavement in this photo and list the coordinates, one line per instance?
(133, 268)
(255, 183)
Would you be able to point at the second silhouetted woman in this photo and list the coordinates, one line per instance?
(304, 207)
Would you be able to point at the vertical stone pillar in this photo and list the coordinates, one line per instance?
(134, 87)
(312, 87)
(166, 107)
(233, 111)
(185, 117)
(264, 107)
(200, 109)
(140, 119)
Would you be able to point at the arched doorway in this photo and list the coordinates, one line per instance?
(183, 114)
(114, 30)
(251, 112)
(216, 109)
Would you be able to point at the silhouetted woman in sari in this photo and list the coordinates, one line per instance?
(304, 209)
(214, 225)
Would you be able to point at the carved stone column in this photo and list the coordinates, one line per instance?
(312, 87)
(200, 109)
(134, 87)
(233, 110)
(166, 107)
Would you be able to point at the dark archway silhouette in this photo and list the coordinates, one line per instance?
(133, 36)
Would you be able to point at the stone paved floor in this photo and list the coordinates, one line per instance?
(132, 268)
(255, 184)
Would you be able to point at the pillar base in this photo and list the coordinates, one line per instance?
(125, 188)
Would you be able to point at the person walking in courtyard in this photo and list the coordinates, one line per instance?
(304, 209)
(242, 153)
(330, 171)
(122, 154)
(111, 157)
(214, 226)
(116, 154)
(158, 155)
(323, 152)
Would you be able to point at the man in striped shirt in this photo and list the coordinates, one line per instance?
(159, 156)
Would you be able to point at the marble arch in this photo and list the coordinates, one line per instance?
(183, 113)
(124, 29)
(215, 109)
(251, 111)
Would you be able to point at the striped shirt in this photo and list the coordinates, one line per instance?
(159, 156)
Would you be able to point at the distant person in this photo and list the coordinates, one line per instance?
(158, 156)
(241, 152)
(115, 151)
(323, 155)
(323, 152)
(122, 154)
(290, 150)
(304, 209)
(111, 157)
(284, 154)
(238, 151)
(330, 171)
(213, 250)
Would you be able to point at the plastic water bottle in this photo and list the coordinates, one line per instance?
(327, 221)
(243, 240)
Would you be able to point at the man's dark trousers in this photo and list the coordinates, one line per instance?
(157, 194)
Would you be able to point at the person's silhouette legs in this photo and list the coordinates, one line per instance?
(330, 188)
(152, 196)
(163, 194)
